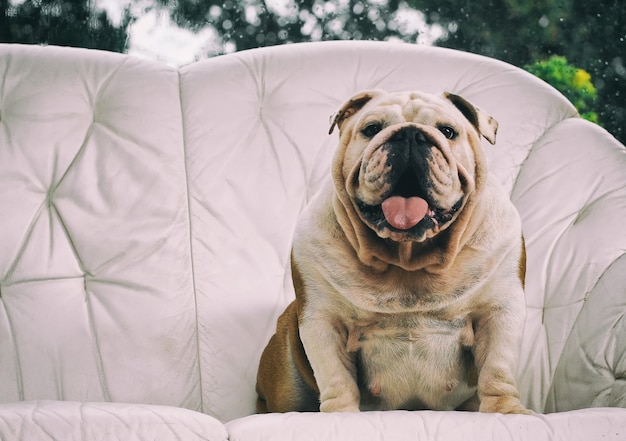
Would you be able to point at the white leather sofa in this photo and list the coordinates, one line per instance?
(146, 215)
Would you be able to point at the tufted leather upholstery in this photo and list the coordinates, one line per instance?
(146, 216)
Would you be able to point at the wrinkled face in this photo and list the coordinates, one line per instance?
(409, 164)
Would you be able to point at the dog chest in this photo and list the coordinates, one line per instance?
(424, 363)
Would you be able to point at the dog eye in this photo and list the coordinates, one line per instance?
(370, 130)
(448, 132)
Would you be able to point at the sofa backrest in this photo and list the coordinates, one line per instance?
(146, 216)
(95, 283)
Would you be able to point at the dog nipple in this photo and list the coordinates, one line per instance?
(404, 213)
(375, 389)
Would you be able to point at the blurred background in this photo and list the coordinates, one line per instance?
(576, 45)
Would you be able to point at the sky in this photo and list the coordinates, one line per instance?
(154, 36)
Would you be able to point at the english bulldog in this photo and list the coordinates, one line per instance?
(408, 268)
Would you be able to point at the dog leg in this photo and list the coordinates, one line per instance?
(333, 366)
(496, 354)
(285, 381)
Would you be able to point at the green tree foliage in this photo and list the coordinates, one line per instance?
(590, 34)
(596, 41)
(61, 22)
(516, 31)
(571, 81)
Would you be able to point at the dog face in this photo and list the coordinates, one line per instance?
(408, 160)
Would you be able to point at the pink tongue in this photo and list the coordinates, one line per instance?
(404, 213)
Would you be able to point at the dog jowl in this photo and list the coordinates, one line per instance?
(406, 171)
(408, 269)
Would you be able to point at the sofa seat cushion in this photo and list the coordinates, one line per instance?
(584, 425)
(70, 420)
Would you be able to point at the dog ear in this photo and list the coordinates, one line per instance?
(485, 124)
(352, 106)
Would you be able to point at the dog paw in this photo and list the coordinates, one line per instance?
(333, 406)
(507, 405)
(345, 402)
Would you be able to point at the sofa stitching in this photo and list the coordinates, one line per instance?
(42, 279)
(6, 55)
(96, 342)
(18, 366)
(105, 83)
(89, 132)
(588, 295)
(54, 210)
(88, 305)
(264, 120)
(534, 145)
(81, 149)
(24, 242)
(191, 253)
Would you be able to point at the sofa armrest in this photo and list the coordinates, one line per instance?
(592, 368)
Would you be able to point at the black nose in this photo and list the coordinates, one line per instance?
(409, 135)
